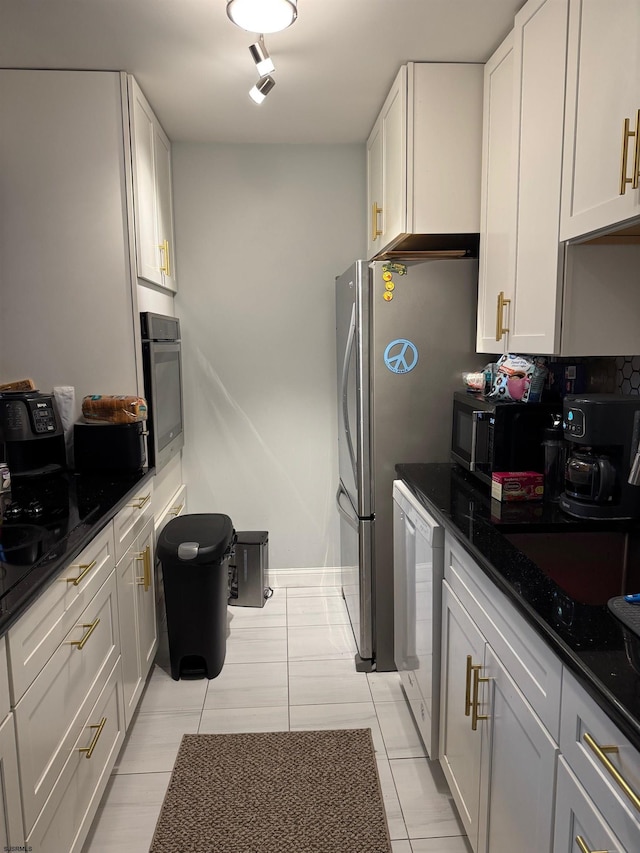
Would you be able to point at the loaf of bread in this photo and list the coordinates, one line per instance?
(114, 409)
(18, 385)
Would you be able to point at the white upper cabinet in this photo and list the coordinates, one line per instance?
(423, 163)
(497, 214)
(152, 193)
(600, 188)
(536, 295)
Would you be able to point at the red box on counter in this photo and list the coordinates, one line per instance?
(517, 486)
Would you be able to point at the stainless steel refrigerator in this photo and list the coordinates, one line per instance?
(405, 335)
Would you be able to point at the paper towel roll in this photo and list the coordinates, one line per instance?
(65, 397)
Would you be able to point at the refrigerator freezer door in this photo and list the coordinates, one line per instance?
(352, 336)
(356, 553)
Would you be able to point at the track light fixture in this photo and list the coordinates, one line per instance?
(262, 16)
(261, 57)
(262, 89)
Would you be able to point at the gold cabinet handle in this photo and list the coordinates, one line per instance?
(627, 133)
(500, 329)
(621, 782)
(88, 750)
(467, 692)
(86, 568)
(166, 266)
(475, 699)
(375, 231)
(145, 556)
(91, 628)
(140, 502)
(176, 510)
(583, 846)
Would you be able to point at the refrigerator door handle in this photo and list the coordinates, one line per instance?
(351, 519)
(348, 354)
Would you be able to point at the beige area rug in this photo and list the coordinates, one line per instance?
(274, 792)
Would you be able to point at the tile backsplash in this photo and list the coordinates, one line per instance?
(628, 374)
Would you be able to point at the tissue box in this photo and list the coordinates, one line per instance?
(517, 486)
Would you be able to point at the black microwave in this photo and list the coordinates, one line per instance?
(491, 435)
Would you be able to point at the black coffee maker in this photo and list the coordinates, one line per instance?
(602, 431)
(31, 435)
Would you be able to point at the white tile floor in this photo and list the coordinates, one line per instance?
(289, 665)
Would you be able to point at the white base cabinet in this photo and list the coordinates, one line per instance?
(137, 615)
(500, 703)
(11, 826)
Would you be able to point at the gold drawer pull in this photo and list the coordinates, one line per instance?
(627, 133)
(86, 568)
(467, 692)
(89, 749)
(145, 556)
(166, 266)
(475, 699)
(583, 846)
(176, 510)
(91, 628)
(140, 502)
(621, 782)
(375, 231)
(500, 329)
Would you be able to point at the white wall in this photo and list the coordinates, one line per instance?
(261, 233)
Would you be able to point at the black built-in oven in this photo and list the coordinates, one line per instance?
(489, 435)
(162, 364)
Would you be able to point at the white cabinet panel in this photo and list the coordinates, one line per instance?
(132, 518)
(603, 70)
(11, 830)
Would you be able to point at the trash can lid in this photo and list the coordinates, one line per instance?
(196, 538)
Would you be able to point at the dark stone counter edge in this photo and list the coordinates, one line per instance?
(627, 724)
(57, 566)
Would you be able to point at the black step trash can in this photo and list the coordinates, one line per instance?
(194, 551)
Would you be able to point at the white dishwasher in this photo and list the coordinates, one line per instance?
(418, 569)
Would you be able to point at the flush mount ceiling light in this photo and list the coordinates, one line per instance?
(262, 89)
(261, 57)
(262, 16)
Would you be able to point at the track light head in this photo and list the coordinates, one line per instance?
(262, 89)
(260, 56)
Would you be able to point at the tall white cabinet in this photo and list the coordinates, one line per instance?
(11, 828)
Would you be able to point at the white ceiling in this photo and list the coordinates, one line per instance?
(334, 66)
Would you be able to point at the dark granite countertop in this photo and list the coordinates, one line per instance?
(77, 508)
(559, 573)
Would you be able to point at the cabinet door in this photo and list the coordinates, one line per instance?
(146, 602)
(11, 829)
(164, 207)
(394, 160)
(374, 189)
(578, 820)
(540, 51)
(128, 570)
(463, 647)
(516, 808)
(497, 212)
(153, 210)
(603, 70)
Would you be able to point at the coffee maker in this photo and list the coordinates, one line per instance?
(31, 435)
(602, 431)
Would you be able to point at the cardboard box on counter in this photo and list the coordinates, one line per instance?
(517, 486)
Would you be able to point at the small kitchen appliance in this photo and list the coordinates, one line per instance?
(31, 434)
(602, 431)
(492, 436)
(109, 447)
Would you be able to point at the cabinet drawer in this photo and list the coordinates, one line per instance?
(11, 829)
(51, 714)
(585, 728)
(532, 665)
(577, 817)
(5, 705)
(66, 817)
(36, 636)
(175, 507)
(129, 522)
